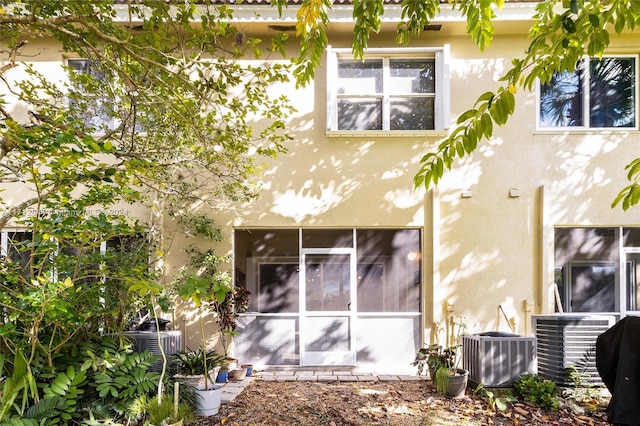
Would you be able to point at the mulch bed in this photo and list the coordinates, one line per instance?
(387, 403)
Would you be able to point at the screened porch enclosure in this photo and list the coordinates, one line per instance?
(330, 297)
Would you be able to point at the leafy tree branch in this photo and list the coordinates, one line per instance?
(559, 39)
(562, 33)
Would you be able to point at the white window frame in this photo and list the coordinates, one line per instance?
(112, 123)
(587, 101)
(5, 241)
(620, 261)
(442, 95)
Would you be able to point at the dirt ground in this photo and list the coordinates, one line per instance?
(387, 403)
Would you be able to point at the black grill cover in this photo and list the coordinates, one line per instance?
(617, 353)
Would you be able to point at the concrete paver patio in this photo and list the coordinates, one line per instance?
(232, 389)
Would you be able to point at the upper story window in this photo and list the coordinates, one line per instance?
(97, 112)
(601, 93)
(14, 249)
(403, 89)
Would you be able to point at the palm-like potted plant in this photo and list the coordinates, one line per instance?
(189, 366)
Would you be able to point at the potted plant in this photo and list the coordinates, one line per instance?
(200, 291)
(448, 378)
(443, 365)
(189, 366)
(429, 358)
(226, 314)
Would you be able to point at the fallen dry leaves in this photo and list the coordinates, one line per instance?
(381, 403)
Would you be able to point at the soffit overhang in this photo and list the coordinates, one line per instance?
(509, 19)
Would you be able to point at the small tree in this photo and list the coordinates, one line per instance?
(167, 107)
(203, 281)
(201, 291)
(154, 112)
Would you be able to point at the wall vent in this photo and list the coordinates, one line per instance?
(171, 342)
(496, 361)
(566, 340)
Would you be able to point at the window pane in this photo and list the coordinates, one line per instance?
(412, 76)
(593, 288)
(85, 66)
(389, 277)
(363, 78)
(632, 281)
(612, 92)
(412, 113)
(360, 114)
(586, 243)
(266, 264)
(370, 286)
(278, 288)
(97, 112)
(327, 238)
(585, 264)
(561, 100)
(19, 252)
(327, 283)
(631, 237)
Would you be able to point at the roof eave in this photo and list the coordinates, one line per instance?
(342, 13)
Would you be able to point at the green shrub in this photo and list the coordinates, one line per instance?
(538, 391)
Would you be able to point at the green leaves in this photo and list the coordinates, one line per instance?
(311, 28)
(629, 196)
(502, 107)
(367, 15)
(536, 390)
(473, 126)
(499, 403)
(415, 16)
(196, 289)
(166, 128)
(18, 386)
(479, 14)
(64, 392)
(129, 378)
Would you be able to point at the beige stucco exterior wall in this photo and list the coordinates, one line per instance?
(488, 256)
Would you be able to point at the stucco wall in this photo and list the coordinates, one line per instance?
(488, 257)
(488, 250)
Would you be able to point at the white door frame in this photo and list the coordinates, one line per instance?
(310, 358)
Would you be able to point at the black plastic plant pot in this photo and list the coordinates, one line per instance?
(150, 325)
